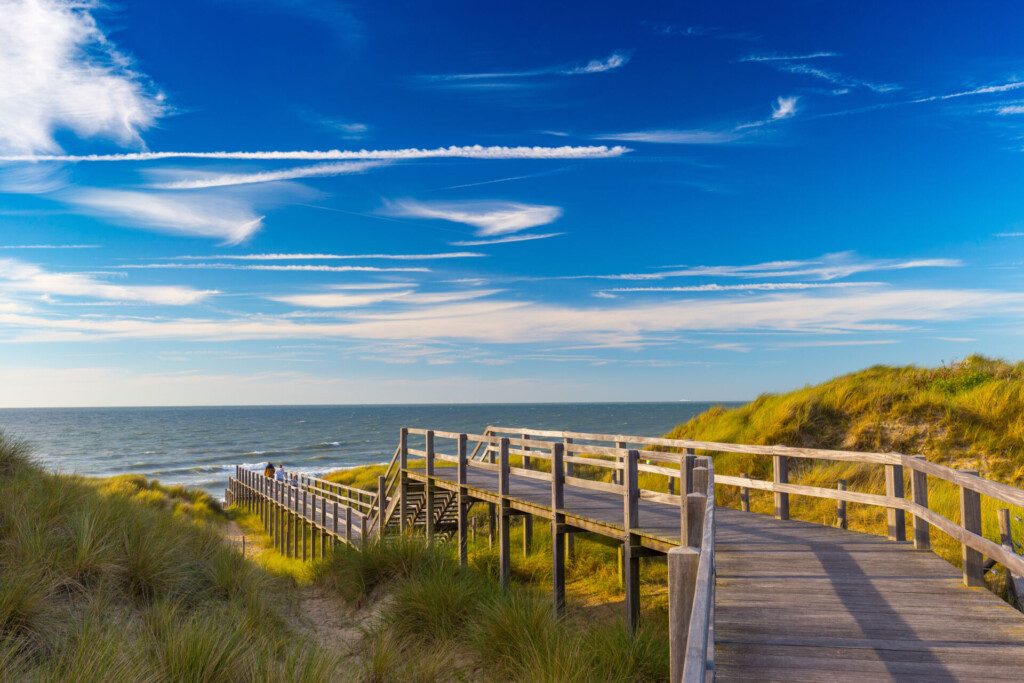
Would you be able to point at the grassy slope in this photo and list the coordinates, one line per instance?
(123, 579)
(969, 414)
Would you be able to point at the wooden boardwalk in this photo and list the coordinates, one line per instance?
(772, 599)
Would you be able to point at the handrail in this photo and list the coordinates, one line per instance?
(700, 640)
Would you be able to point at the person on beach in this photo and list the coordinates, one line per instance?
(268, 471)
(281, 474)
(295, 479)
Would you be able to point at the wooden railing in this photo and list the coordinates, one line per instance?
(587, 460)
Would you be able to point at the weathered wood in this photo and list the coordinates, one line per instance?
(463, 503)
(1014, 581)
(557, 527)
(504, 546)
(780, 475)
(696, 504)
(348, 526)
(305, 509)
(570, 538)
(364, 532)
(687, 464)
(403, 475)
(841, 520)
(895, 517)
(970, 520)
(744, 496)
(682, 577)
(919, 494)
(429, 487)
(630, 556)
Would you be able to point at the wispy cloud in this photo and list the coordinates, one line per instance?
(453, 152)
(17, 276)
(749, 287)
(826, 343)
(783, 108)
(836, 78)
(983, 90)
(331, 257)
(296, 268)
(194, 180)
(613, 61)
(1010, 110)
(343, 299)
(59, 71)
(489, 217)
(228, 219)
(774, 57)
(50, 246)
(506, 240)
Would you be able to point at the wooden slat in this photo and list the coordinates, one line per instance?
(593, 485)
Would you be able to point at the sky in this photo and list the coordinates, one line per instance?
(299, 201)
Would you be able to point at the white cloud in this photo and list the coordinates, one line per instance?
(494, 78)
(230, 220)
(787, 58)
(50, 246)
(983, 90)
(506, 240)
(17, 276)
(330, 257)
(407, 296)
(453, 152)
(676, 136)
(1011, 109)
(192, 180)
(836, 78)
(489, 217)
(58, 70)
(749, 287)
(784, 108)
(597, 66)
(296, 268)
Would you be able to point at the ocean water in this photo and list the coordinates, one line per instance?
(200, 446)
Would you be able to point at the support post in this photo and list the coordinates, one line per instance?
(403, 478)
(363, 532)
(463, 502)
(682, 583)
(570, 537)
(894, 488)
(780, 475)
(617, 472)
(557, 527)
(334, 516)
(630, 556)
(688, 462)
(841, 520)
(382, 503)
(312, 529)
(428, 514)
(323, 528)
(504, 550)
(282, 518)
(1014, 583)
(919, 494)
(304, 507)
(970, 520)
(348, 525)
(745, 496)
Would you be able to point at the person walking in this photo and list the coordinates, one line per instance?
(281, 475)
(269, 471)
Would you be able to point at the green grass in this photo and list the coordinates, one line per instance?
(125, 579)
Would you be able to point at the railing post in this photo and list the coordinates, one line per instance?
(682, 584)
(617, 473)
(780, 475)
(1014, 582)
(363, 532)
(570, 537)
(403, 478)
(334, 516)
(348, 525)
(382, 503)
(303, 523)
(463, 502)
(744, 496)
(630, 542)
(527, 519)
(312, 528)
(894, 489)
(504, 548)
(557, 527)
(428, 516)
(323, 527)
(970, 520)
(696, 505)
(919, 494)
(841, 520)
(689, 462)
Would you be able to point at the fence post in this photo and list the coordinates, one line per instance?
(323, 527)
(894, 489)
(970, 520)
(382, 503)
(557, 527)
(630, 542)
(334, 516)
(463, 502)
(428, 514)
(348, 525)
(682, 584)
(303, 522)
(689, 462)
(504, 549)
(744, 496)
(363, 531)
(570, 537)
(780, 475)
(696, 505)
(403, 479)
(841, 507)
(919, 494)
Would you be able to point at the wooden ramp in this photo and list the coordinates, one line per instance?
(751, 597)
(803, 602)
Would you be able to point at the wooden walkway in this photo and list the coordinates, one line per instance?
(773, 599)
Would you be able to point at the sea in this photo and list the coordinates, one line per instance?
(200, 446)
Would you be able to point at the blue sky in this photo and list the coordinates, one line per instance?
(282, 201)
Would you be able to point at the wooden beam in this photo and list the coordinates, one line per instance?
(403, 478)
(557, 527)
(463, 503)
(970, 520)
(919, 494)
(895, 517)
(504, 549)
(428, 518)
(682, 578)
(744, 496)
(780, 475)
(841, 519)
(631, 521)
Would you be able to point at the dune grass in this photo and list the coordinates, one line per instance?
(125, 579)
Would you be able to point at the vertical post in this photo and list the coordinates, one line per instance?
(505, 566)
(363, 532)
(630, 546)
(382, 503)
(780, 475)
(491, 524)
(682, 581)
(403, 478)
(695, 508)
(312, 529)
(282, 517)
(919, 494)
(526, 458)
(348, 524)
(841, 520)
(527, 519)
(304, 501)
(688, 462)
(323, 528)
(894, 489)
(744, 496)
(334, 517)
(970, 520)
(570, 538)
(617, 472)
(428, 516)
(463, 502)
(557, 527)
